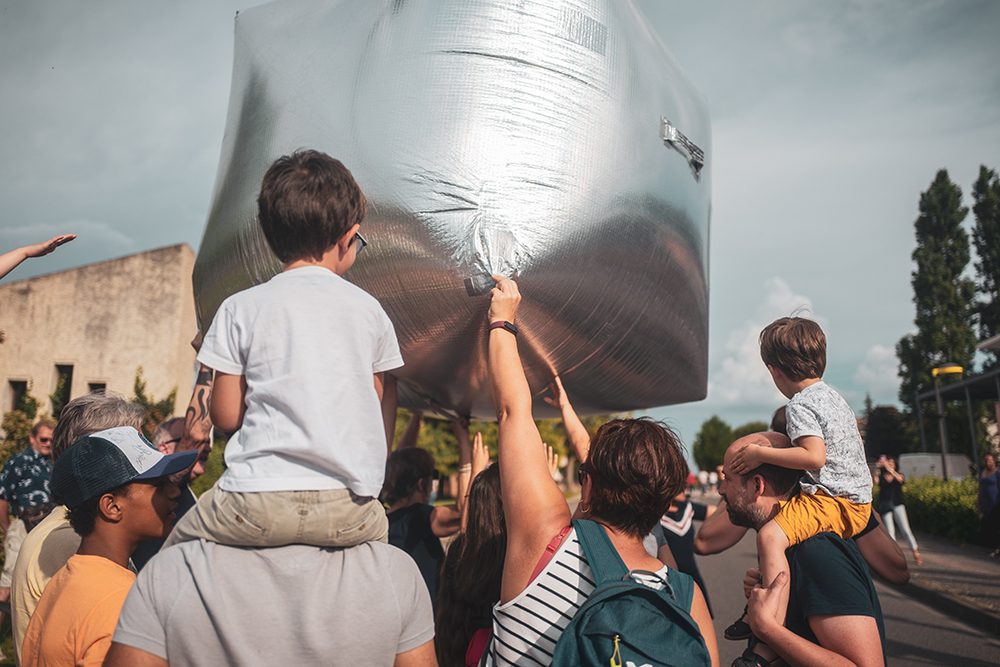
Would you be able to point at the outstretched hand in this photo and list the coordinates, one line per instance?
(763, 604)
(552, 460)
(504, 300)
(558, 399)
(480, 455)
(44, 248)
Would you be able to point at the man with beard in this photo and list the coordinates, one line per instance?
(833, 615)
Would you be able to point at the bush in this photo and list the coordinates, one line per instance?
(943, 508)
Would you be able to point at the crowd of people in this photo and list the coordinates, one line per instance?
(322, 542)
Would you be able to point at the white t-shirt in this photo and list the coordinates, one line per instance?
(308, 343)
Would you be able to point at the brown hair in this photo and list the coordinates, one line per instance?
(636, 466)
(308, 201)
(795, 346)
(404, 469)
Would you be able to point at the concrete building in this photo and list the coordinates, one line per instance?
(93, 326)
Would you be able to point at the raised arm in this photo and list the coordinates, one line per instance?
(12, 258)
(408, 438)
(579, 437)
(460, 427)
(534, 508)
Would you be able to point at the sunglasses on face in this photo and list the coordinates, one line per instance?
(361, 239)
(45, 440)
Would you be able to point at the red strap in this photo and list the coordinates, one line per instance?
(549, 552)
(477, 645)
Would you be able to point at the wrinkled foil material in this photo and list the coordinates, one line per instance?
(514, 137)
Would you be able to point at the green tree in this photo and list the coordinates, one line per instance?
(942, 296)
(885, 432)
(711, 442)
(748, 428)
(156, 410)
(17, 425)
(58, 397)
(986, 237)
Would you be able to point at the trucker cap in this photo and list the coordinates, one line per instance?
(105, 460)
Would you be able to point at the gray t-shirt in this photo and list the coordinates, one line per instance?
(199, 603)
(819, 410)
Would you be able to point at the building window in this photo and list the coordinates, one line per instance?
(96, 387)
(64, 384)
(18, 388)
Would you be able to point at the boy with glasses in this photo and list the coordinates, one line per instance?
(300, 365)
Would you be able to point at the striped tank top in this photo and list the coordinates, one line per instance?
(526, 629)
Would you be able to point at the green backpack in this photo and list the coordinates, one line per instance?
(625, 623)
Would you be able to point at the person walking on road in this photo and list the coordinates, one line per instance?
(989, 503)
(890, 503)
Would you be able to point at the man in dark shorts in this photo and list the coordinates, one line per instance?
(833, 609)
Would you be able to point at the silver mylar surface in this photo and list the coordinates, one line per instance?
(519, 137)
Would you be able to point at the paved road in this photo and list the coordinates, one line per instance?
(915, 633)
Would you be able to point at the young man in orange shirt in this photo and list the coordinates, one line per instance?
(118, 490)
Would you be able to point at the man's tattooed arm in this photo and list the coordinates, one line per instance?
(197, 423)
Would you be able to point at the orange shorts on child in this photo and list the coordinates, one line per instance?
(809, 514)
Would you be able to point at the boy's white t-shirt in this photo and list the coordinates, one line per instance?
(308, 343)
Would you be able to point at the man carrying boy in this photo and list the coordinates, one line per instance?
(834, 610)
(299, 367)
(117, 489)
(836, 485)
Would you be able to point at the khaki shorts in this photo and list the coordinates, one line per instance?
(331, 518)
(11, 546)
(809, 514)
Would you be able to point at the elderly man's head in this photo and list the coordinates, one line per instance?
(169, 438)
(753, 499)
(91, 413)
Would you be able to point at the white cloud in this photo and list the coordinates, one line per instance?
(877, 374)
(741, 378)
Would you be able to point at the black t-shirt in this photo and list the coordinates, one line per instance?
(829, 578)
(410, 530)
(890, 493)
(676, 529)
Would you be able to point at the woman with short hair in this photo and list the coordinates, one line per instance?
(634, 468)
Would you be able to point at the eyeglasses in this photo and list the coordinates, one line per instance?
(359, 237)
(45, 440)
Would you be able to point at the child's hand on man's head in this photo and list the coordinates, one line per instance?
(746, 459)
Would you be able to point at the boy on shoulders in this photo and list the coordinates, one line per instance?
(836, 492)
(300, 365)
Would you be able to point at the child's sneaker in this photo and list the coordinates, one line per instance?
(739, 630)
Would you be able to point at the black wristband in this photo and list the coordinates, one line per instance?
(504, 324)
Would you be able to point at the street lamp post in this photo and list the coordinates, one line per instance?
(947, 368)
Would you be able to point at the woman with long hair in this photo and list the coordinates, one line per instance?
(633, 470)
(470, 580)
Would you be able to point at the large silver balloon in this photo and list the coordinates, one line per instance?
(552, 140)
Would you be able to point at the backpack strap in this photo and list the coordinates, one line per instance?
(602, 557)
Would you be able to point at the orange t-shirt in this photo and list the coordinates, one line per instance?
(76, 616)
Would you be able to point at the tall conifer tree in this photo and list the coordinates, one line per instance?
(943, 298)
(986, 237)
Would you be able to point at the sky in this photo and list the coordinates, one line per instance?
(828, 121)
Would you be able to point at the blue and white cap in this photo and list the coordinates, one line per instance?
(105, 460)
